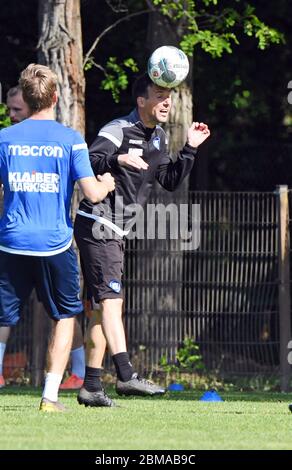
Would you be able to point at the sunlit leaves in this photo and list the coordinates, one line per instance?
(116, 78)
(4, 119)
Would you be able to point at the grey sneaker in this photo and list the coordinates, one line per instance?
(138, 386)
(99, 398)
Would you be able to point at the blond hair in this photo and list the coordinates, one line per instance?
(38, 84)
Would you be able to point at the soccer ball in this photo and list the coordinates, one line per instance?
(168, 66)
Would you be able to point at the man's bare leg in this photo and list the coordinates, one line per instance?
(4, 335)
(112, 325)
(58, 355)
(128, 382)
(95, 341)
(105, 326)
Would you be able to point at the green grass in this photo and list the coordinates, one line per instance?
(175, 422)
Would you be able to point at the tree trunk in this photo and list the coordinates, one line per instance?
(60, 48)
(180, 117)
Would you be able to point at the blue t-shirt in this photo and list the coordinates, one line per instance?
(39, 162)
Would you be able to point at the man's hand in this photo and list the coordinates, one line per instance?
(108, 180)
(133, 161)
(197, 133)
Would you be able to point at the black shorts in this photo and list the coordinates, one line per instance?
(101, 261)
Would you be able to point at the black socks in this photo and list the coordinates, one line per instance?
(123, 366)
(92, 382)
(124, 369)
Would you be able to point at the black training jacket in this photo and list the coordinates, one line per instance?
(125, 135)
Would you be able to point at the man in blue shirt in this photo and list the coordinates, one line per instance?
(18, 110)
(40, 160)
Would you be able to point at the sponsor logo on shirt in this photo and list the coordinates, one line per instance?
(35, 151)
(156, 143)
(135, 152)
(34, 182)
(137, 142)
(115, 285)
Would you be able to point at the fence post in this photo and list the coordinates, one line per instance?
(284, 285)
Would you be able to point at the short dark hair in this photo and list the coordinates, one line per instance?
(14, 91)
(140, 86)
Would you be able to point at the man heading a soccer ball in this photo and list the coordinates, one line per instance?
(154, 109)
(133, 149)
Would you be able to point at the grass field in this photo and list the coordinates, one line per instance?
(177, 421)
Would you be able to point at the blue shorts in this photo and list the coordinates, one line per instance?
(56, 279)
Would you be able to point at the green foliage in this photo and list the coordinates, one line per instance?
(212, 43)
(258, 383)
(207, 24)
(241, 100)
(176, 10)
(188, 356)
(4, 119)
(216, 30)
(116, 78)
(89, 64)
(263, 33)
(188, 359)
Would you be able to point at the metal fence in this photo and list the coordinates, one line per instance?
(224, 294)
(231, 295)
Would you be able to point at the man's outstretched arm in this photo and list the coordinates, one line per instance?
(95, 191)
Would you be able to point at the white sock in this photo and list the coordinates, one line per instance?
(52, 385)
(2, 351)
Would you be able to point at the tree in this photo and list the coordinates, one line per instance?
(184, 23)
(60, 47)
